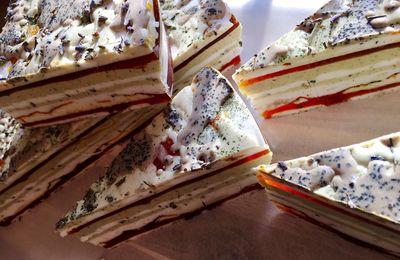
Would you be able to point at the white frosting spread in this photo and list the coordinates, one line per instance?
(205, 123)
(45, 34)
(364, 176)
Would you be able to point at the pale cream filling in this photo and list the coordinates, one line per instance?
(165, 59)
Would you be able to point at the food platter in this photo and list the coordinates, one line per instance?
(246, 227)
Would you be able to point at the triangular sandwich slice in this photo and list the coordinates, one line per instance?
(353, 190)
(347, 50)
(199, 151)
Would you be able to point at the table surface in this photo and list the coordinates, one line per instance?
(249, 227)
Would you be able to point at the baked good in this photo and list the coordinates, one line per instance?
(198, 152)
(201, 33)
(347, 50)
(63, 60)
(352, 190)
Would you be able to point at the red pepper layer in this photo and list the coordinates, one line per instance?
(268, 181)
(249, 82)
(235, 61)
(326, 100)
(168, 148)
(148, 199)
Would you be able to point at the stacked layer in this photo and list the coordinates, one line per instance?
(201, 33)
(353, 190)
(63, 60)
(199, 151)
(23, 150)
(73, 155)
(347, 50)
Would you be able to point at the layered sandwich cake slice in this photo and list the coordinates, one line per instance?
(354, 191)
(36, 165)
(347, 50)
(62, 162)
(201, 33)
(63, 60)
(199, 151)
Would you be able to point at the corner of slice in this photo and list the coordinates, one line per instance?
(353, 190)
(63, 60)
(201, 33)
(200, 151)
(345, 51)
